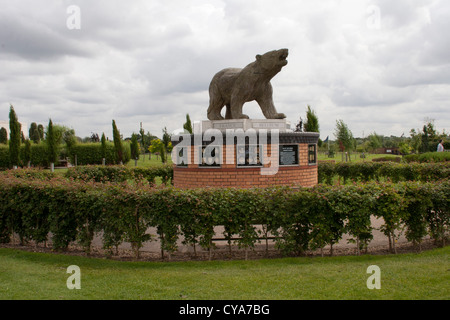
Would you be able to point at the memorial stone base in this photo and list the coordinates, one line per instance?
(259, 153)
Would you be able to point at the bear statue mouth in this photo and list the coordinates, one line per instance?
(283, 56)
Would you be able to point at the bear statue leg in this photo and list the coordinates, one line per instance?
(268, 107)
(228, 112)
(236, 106)
(215, 106)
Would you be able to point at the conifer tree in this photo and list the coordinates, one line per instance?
(117, 143)
(15, 138)
(52, 147)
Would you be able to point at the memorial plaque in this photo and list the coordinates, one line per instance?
(288, 155)
(210, 156)
(248, 155)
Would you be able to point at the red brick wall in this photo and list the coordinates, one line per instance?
(230, 176)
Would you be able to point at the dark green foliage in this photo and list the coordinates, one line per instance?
(93, 153)
(4, 157)
(344, 136)
(117, 144)
(312, 121)
(33, 133)
(15, 138)
(27, 152)
(103, 141)
(428, 157)
(134, 146)
(395, 172)
(34, 205)
(3, 136)
(187, 126)
(120, 174)
(52, 144)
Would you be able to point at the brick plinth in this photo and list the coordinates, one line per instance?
(230, 175)
(305, 176)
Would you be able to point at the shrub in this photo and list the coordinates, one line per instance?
(428, 157)
(300, 219)
(395, 172)
(92, 153)
(387, 159)
(4, 156)
(118, 173)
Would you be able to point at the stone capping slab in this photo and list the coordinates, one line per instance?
(269, 124)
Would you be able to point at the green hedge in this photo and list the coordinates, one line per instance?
(87, 154)
(428, 157)
(38, 156)
(91, 153)
(4, 156)
(358, 171)
(395, 172)
(300, 219)
(120, 173)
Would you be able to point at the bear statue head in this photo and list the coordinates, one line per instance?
(272, 61)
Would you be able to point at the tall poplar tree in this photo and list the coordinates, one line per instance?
(103, 146)
(15, 138)
(52, 143)
(117, 143)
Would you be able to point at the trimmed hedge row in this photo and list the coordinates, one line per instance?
(300, 219)
(359, 171)
(395, 172)
(91, 153)
(428, 157)
(38, 156)
(120, 173)
(87, 154)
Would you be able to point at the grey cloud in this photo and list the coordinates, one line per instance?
(33, 40)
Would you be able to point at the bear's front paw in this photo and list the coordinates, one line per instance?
(243, 116)
(280, 116)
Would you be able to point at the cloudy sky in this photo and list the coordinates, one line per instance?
(380, 66)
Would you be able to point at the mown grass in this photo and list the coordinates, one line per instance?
(146, 161)
(29, 276)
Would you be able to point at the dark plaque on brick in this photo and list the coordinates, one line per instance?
(288, 155)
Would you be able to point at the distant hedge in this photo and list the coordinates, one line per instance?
(91, 153)
(120, 173)
(299, 219)
(87, 154)
(395, 172)
(38, 156)
(428, 157)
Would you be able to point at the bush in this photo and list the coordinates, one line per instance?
(428, 157)
(4, 156)
(118, 173)
(92, 154)
(395, 172)
(38, 156)
(301, 219)
(387, 159)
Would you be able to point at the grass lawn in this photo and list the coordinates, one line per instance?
(144, 161)
(26, 275)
